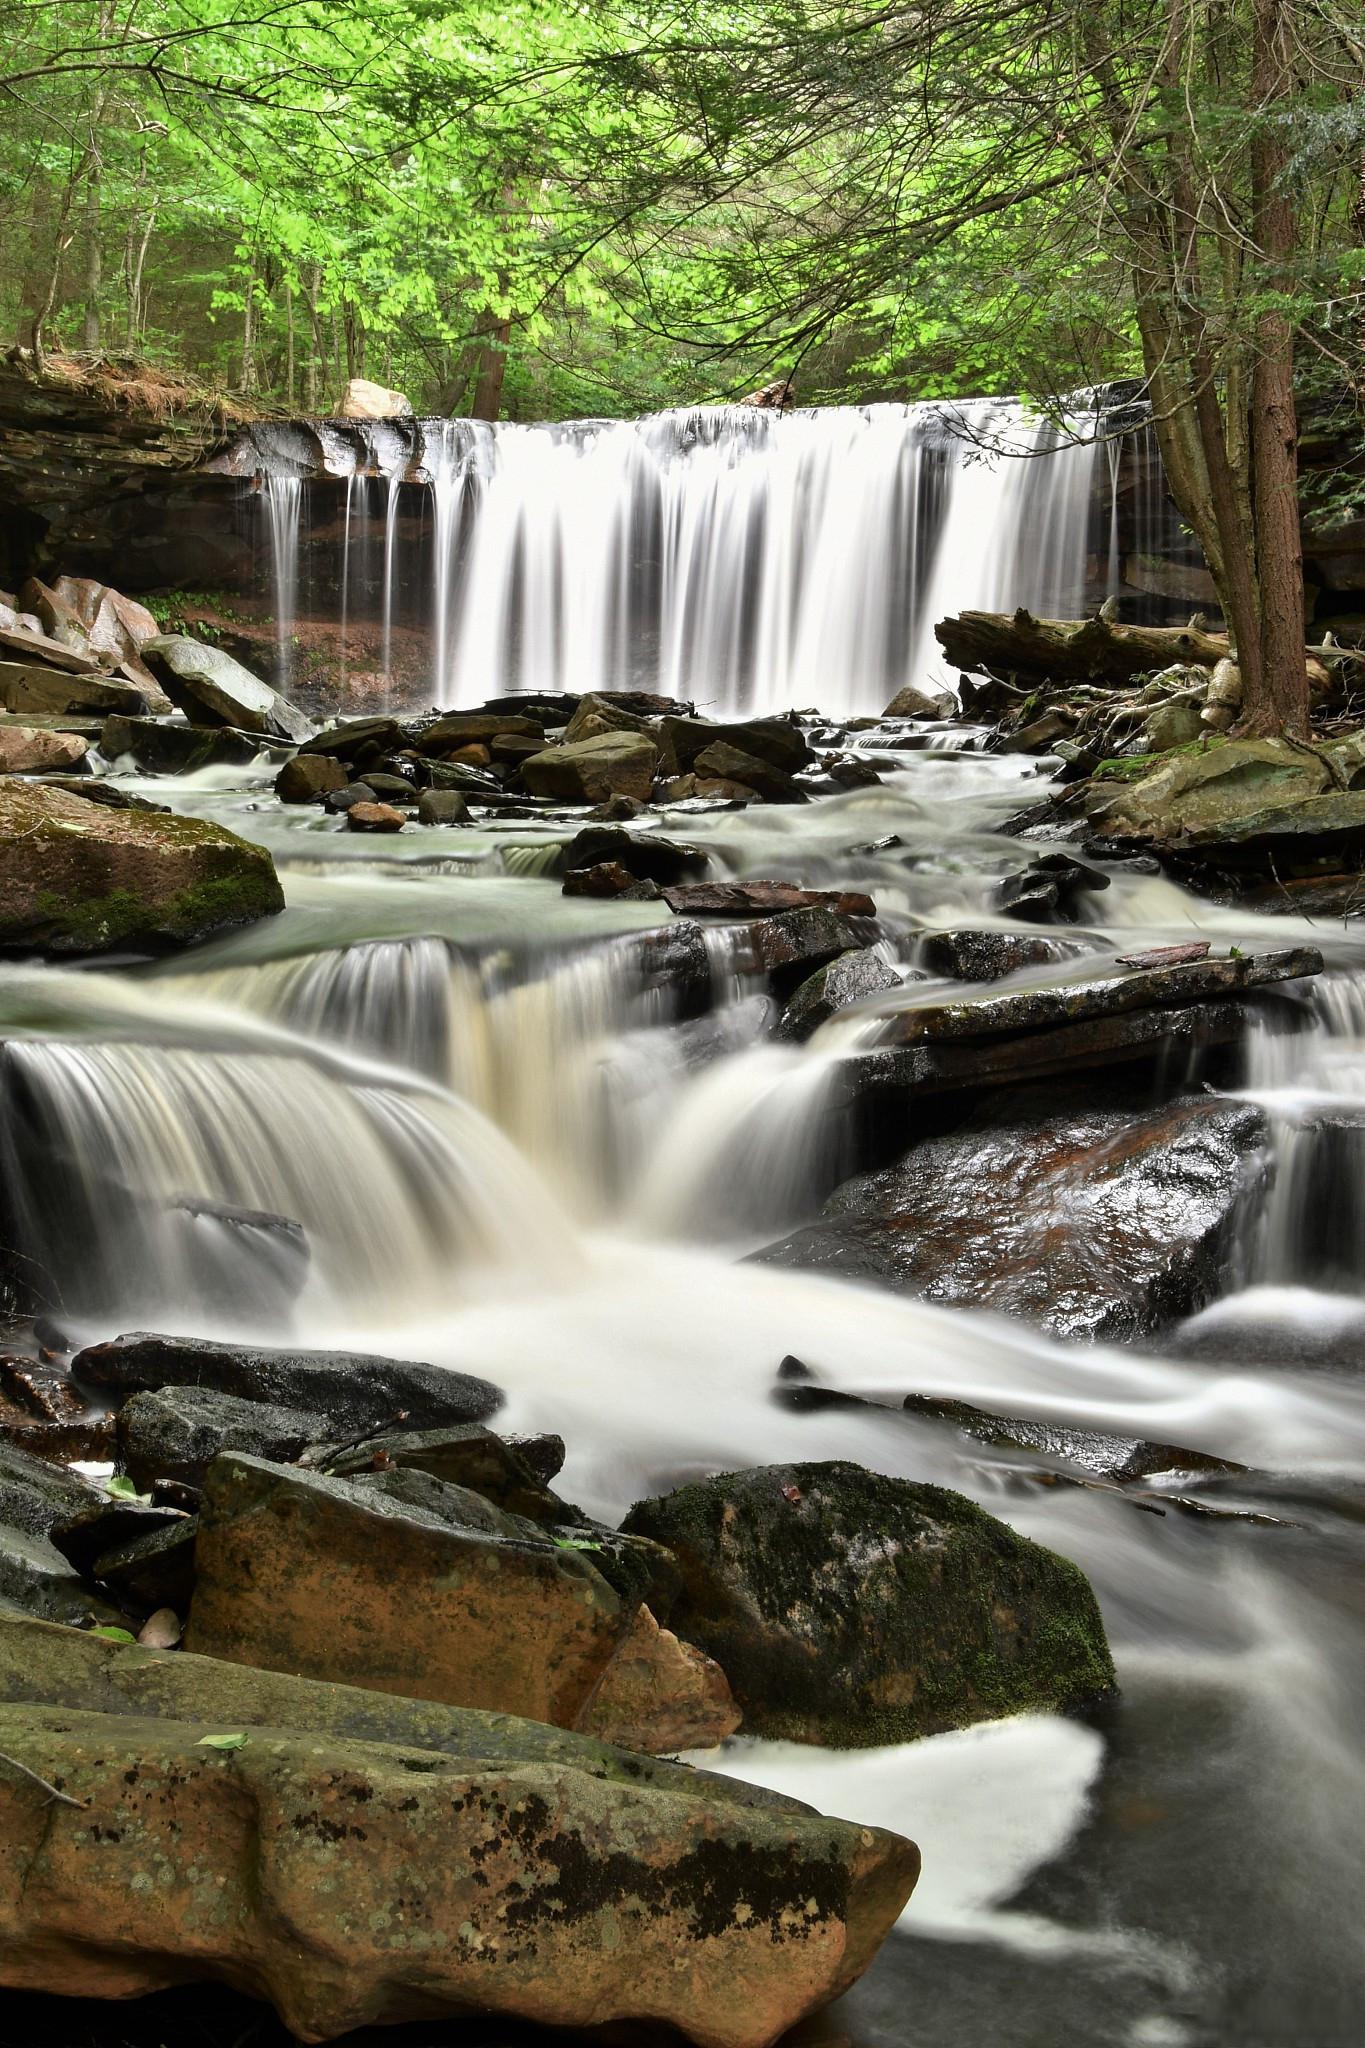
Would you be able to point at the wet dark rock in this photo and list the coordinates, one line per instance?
(390, 786)
(359, 741)
(113, 795)
(1096, 1216)
(160, 747)
(1014, 1012)
(351, 1391)
(176, 1432)
(763, 899)
(849, 1609)
(107, 1523)
(35, 1579)
(1105, 1457)
(153, 1569)
(375, 817)
(674, 963)
(308, 778)
(646, 856)
(339, 801)
(850, 771)
(987, 955)
(1050, 890)
(35, 1496)
(726, 763)
(774, 740)
(36, 1389)
(618, 810)
(210, 686)
(852, 978)
(456, 729)
(793, 944)
(1299, 1333)
(442, 807)
(607, 879)
(512, 1473)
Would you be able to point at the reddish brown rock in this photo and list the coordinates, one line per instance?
(36, 750)
(661, 1695)
(763, 899)
(364, 817)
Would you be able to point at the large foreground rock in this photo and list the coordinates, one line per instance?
(352, 1883)
(848, 1609)
(343, 1391)
(210, 687)
(410, 1583)
(1095, 1216)
(77, 877)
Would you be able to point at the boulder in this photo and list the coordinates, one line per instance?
(1051, 890)
(36, 750)
(612, 764)
(35, 1496)
(1194, 794)
(596, 714)
(36, 1580)
(851, 978)
(160, 748)
(353, 1882)
(456, 729)
(339, 801)
(77, 877)
(177, 1432)
(722, 762)
(361, 741)
(763, 899)
(607, 879)
(403, 1583)
(848, 1609)
(308, 778)
(512, 1473)
(26, 687)
(1094, 1215)
(58, 618)
(912, 703)
(31, 644)
(209, 685)
(646, 856)
(774, 740)
(442, 807)
(344, 1392)
(363, 817)
(987, 955)
(366, 401)
(794, 944)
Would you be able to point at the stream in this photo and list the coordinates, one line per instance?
(510, 1160)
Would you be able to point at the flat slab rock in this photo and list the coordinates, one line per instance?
(1093, 1451)
(1015, 1011)
(341, 1390)
(353, 1883)
(1097, 1217)
(763, 899)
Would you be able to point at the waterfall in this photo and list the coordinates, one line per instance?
(283, 502)
(747, 559)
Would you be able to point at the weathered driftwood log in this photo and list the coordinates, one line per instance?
(1016, 647)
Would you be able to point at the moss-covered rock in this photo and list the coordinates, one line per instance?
(77, 877)
(849, 1609)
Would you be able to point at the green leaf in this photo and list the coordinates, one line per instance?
(114, 1635)
(239, 1740)
(124, 1489)
(574, 1543)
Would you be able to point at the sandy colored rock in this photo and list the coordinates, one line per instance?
(213, 688)
(591, 770)
(27, 686)
(367, 401)
(330, 1579)
(358, 1883)
(36, 750)
(661, 1695)
(80, 878)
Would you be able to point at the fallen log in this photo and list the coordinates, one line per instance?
(1017, 648)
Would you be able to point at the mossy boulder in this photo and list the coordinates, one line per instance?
(850, 1610)
(77, 877)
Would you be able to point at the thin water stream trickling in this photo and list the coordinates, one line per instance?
(508, 1160)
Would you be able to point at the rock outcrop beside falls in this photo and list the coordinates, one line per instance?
(358, 1863)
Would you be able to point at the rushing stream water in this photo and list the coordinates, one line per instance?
(507, 1159)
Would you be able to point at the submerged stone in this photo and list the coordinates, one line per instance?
(850, 1610)
(852, 978)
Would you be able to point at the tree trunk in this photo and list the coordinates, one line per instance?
(492, 369)
(1278, 702)
(37, 266)
(1016, 647)
(137, 312)
(310, 375)
(94, 252)
(289, 365)
(249, 331)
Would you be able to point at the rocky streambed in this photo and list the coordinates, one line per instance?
(549, 1238)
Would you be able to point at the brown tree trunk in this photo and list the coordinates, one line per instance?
(37, 263)
(249, 331)
(94, 251)
(492, 369)
(1278, 702)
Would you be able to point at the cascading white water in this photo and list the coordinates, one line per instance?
(283, 504)
(749, 559)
